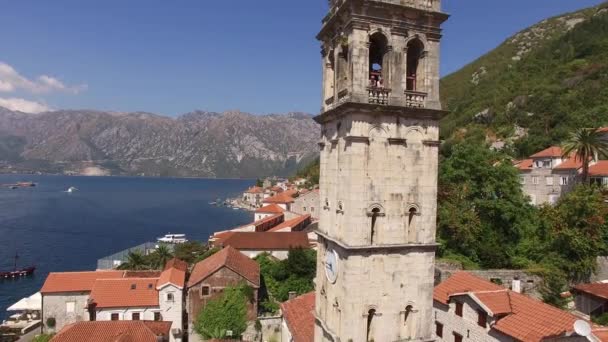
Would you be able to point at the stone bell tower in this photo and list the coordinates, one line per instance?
(379, 158)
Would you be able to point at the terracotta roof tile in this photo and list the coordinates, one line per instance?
(523, 165)
(265, 241)
(572, 163)
(498, 302)
(282, 198)
(227, 257)
(295, 224)
(599, 169)
(142, 274)
(601, 334)
(298, 315)
(462, 282)
(177, 263)
(172, 276)
(76, 281)
(254, 190)
(596, 289)
(553, 151)
(125, 292)
(270, 209)
(113, 331)
(526, 319)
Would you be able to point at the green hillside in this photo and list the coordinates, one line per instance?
(535, 87)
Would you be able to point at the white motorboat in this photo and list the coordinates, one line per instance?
(71, 189)
(173, 238)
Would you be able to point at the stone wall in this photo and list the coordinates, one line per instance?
(466, 326)
(55, 305)
(308, 203)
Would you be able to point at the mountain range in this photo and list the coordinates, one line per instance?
(198, 144)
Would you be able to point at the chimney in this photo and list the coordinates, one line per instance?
(516, 285)
(292, 295)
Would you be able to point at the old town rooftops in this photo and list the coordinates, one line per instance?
(58, 282)
(518, 316)
(124, 292)
(113, 331)
(264, 241)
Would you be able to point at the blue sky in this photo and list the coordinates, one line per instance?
(172, 57)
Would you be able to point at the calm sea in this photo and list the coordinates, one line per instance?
(59, 231)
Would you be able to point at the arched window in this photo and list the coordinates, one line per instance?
(415, 49)
(411, 224)
(375, 214)
(408, 311)
(378, 48)
(342, 79)
(330, 77)
(370, 317)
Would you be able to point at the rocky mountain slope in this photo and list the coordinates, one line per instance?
(203, 144)
(536, 87)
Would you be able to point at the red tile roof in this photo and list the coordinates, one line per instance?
(524, 318)
(553, 151)
(298, 314)
(498, 302)
(230, 258)
(177, 263)
(295, 224)
(462, 282)
(597, 289)
(270, 209)
(254, 190)
(173, 276)
(113, 331)
(264, 241)
(76, 281)
(572, 163)
(523, 165)
(125, 292)
(282, 198)
(601, 333)
(599, 169)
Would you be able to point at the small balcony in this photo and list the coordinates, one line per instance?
(378, 95)
(415, 99)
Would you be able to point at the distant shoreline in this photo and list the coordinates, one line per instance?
(123, 176)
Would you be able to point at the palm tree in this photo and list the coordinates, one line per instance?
(135, 262)
(162, 254)
(586, 144)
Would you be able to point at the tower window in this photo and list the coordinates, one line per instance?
(415, 50)
(375, 214)
(370, 317)
(408, 311)
(378, 48)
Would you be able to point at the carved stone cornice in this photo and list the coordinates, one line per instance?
(431, 142)
(354, 138)
(351, 108)
(429, 247)
(397, 141)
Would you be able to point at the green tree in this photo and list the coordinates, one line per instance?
(586, 144)
(136, 262)
(160, 256)
(483, 213)
(43, 338)
(190, 251)
(227, 312)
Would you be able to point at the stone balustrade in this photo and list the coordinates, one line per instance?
(415, 99)
(378, 95)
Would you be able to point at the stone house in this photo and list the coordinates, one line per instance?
(591, 299)
(473, 309)
(254, 196)
(307, 204)
(598, 173)
(267, 211)
(116, 296)
(547, 175)
(297, 324)
(211, 276)
(140, 331)
(252, 244)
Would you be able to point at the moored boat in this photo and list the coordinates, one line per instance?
(17, 272)
(173, 238)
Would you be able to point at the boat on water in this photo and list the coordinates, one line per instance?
(17, 272)
(173, 238)
(20, 185)
(71, 189)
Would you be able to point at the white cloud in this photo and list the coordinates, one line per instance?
(11, 80)
(23, 105)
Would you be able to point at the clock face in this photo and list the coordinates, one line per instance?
(331, 265)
